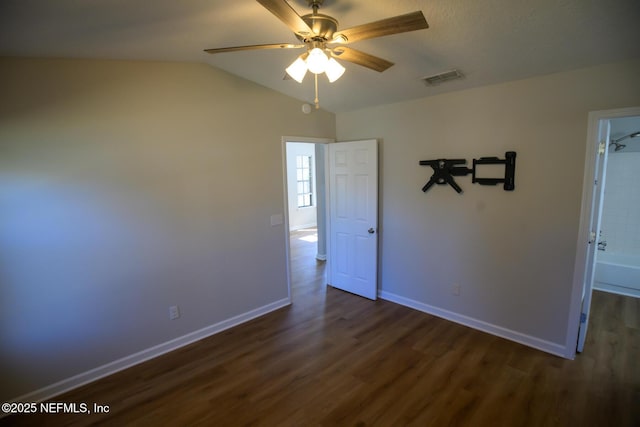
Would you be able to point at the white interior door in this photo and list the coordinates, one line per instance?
(353, 217)
(595, 221)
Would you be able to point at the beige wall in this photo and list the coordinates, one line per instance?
(512, 253)
(127, 187)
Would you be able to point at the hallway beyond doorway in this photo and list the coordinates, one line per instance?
(307, 273)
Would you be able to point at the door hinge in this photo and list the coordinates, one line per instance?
(592, 237)
(583, 317)
(601, 147)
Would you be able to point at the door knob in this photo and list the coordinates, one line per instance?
(371, 231)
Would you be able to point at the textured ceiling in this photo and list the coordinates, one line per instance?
(489, 41)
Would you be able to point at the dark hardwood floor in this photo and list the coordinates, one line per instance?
(334, 359)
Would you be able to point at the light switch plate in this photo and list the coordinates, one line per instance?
(277, 219)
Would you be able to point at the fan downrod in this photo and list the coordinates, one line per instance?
(315, 5)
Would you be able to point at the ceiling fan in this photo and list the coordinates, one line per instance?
(324, 43)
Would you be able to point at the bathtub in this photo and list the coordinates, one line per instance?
(617, 273)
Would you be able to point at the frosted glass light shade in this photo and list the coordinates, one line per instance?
(334, 70)
(317, 61)
(297, 70)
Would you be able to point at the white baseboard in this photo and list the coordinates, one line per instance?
(614, 289)
(147, 354)
(528, 340)
(303, 226)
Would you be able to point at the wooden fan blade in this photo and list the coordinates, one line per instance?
(361, 58)
(284, 12)
(255, 47)
(398, 24)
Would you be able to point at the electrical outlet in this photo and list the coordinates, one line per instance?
(456, 289)
(174, 312)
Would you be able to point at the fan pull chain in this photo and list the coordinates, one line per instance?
(316, 100)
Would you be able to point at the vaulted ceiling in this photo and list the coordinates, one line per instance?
(489, 41)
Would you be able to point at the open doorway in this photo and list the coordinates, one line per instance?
(598, 225)
(304, 170)
(617, 267)
(347, 213)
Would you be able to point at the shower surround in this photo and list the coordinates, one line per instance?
(618, 267)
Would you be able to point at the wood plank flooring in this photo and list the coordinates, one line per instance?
(334, 359)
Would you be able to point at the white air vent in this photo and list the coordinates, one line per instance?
(436, 79)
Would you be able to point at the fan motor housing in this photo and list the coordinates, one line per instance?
(323, 26)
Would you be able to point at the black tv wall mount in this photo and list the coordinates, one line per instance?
(445, 169)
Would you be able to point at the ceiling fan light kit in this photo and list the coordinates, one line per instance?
(297, 70)
(317, 61)
(334, 70)
(318, 31)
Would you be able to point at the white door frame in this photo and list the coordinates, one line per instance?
(598, 185)
(287, 235)
(581, 270)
